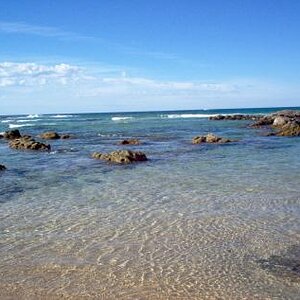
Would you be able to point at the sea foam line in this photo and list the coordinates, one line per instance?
(19, 125)
(185, 116)
(62, 116)
(121, 118)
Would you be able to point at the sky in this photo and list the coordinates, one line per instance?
(137, 55)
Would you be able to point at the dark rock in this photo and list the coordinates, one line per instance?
(2, 168)
(28, 143)
(121, 156)
(50, 135)
(12, 134)
(263, 121)
(211, 139)
(130, 142)
(288, 113)
(237, 117)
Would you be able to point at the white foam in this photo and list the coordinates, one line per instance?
(121, 118)
(185, 116)
(6, 121)
(19, 125)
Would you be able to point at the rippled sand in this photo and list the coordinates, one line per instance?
(116, 243)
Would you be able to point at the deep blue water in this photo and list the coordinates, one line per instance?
(194, 221)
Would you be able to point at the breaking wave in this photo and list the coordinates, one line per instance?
(32, 116)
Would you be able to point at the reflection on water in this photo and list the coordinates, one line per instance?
(195, 222)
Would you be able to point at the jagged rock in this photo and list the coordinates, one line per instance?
(2, 168)
(263, 121)
(12, 134)
(27, 143)
(211, 139)
(288, 113)
(50, 135)
(290, 129)
(130, 142)
(280, 121)
(121, 156)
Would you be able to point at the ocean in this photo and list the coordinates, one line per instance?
(193, 222)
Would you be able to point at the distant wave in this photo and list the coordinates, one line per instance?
(20, 125)
(176, 116)
(24, 121)
(6, 121)
(32, 116)
(121, 118)
(30, 125)
(62, 116)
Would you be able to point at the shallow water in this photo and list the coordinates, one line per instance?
(194, 222)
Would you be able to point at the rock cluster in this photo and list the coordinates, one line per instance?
(211, 139)
(286, 123)
(234, 117)
(2, 167)
(28, 143)
(52, 135)
(121, 156)
(130, 142)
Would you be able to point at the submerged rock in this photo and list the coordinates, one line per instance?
(285, 265)
(28, 143)
(211, 139)
(66, 136)
(2, 168)
(12, 134)
(130, 142)
(121, 156)
(50, 135)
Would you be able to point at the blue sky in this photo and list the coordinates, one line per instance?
(81, 56)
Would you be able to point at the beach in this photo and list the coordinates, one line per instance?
(194, 221)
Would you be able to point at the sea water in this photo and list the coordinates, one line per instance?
(193, 222)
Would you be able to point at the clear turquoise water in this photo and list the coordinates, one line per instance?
(194, 222)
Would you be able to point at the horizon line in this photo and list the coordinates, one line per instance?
(152, 111)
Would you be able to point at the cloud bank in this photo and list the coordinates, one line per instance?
(31, 74)
(64, 87)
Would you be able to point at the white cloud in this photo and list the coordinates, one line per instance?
(31, 74)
